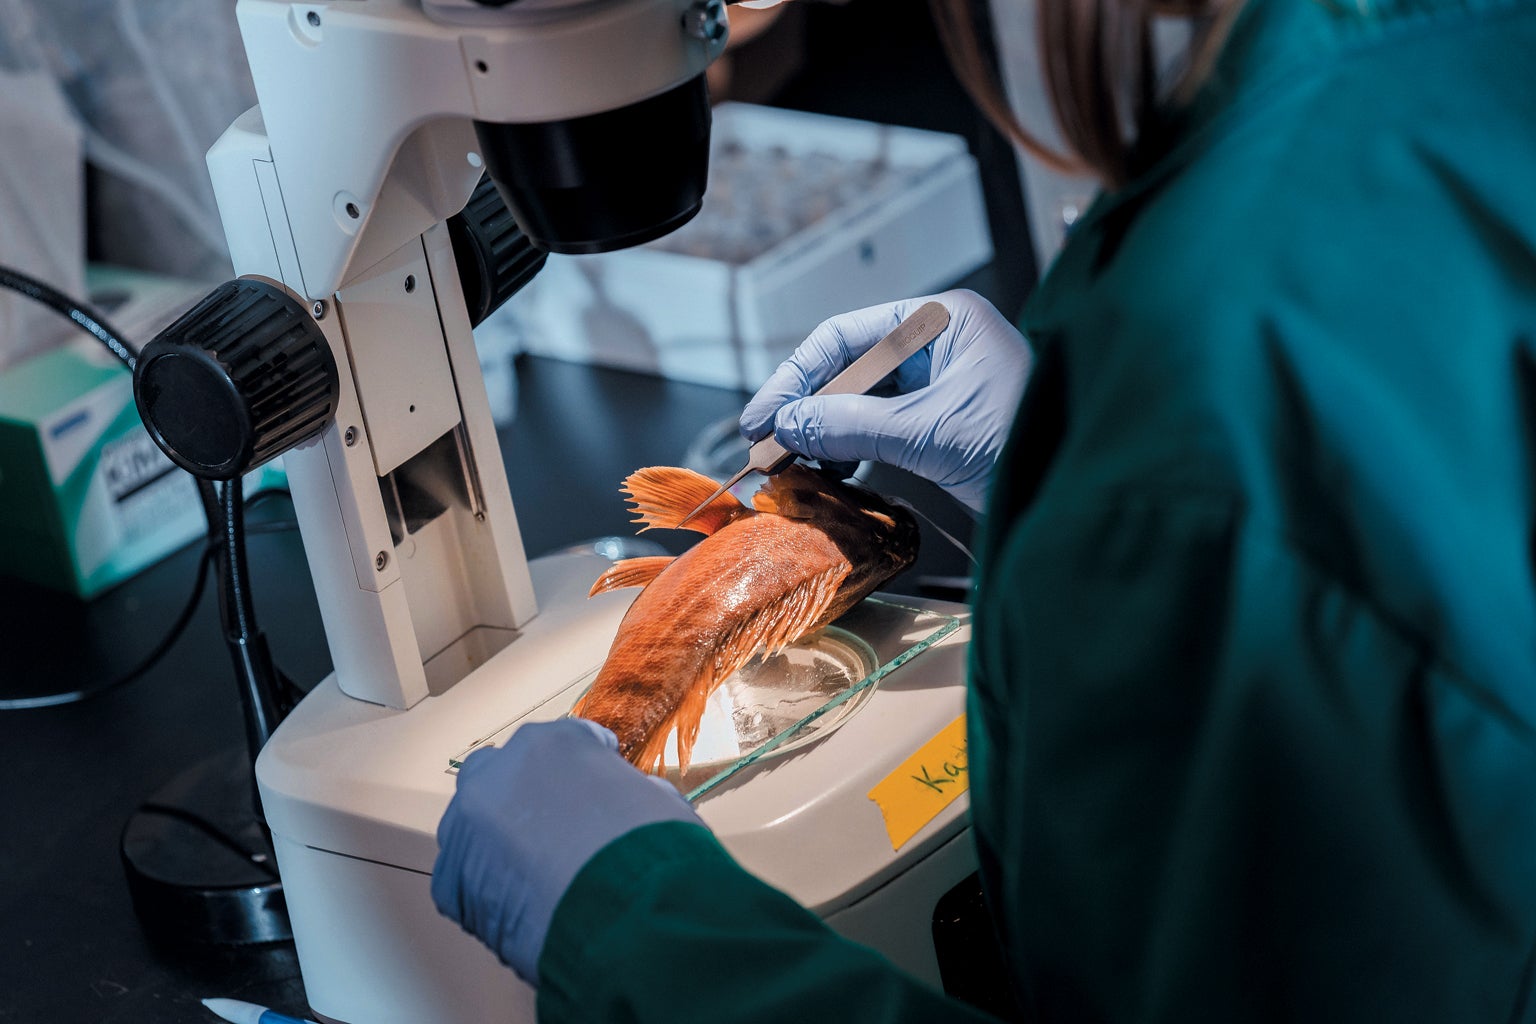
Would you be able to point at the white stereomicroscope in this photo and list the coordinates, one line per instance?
(377, 121)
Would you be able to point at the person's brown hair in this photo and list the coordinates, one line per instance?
(1100, 70)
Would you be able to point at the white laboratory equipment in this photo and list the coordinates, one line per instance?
(346, 345)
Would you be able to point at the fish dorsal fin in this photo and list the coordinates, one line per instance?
(660, 496)
(771, 629)
(631, 572)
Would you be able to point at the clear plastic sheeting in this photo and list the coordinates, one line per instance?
(42, 221)
(151, 84)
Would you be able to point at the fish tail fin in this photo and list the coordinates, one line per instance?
(662, 496)
(631, 572)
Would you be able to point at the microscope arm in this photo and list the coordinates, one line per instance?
(376, 120)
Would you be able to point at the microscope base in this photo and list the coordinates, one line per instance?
(354, 792)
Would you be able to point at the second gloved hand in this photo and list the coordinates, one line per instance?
(526, 818)
(956, 399)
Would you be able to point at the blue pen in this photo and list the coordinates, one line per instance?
(236, 1012)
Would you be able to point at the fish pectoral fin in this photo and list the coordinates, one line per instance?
(662, 496)
(651, 757)
(631, 572)
(795, 493)
(773, 628)
(786, 620)
(690, 714)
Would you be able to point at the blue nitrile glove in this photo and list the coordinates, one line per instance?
(527, 816)
(956, 398)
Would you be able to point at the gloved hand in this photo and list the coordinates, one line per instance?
(956, 401)
(527, 816)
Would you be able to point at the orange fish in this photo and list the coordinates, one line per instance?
(761, 578)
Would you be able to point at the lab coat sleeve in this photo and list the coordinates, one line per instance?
(662, 925)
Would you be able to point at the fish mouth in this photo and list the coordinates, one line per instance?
(900, 523)
(958, 544)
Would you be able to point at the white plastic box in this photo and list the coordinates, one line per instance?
(806, 216)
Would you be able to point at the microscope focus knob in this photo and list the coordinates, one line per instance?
(237, 380)
(495, 258)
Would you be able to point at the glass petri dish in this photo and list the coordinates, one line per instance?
(770, 695)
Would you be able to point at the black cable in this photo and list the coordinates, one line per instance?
(145, 664)
(167, 640)
(213, 511)
(84, 317)
(290, 692)
(259, 677)
(266, 494)
(96, 325)
(266, 700)
(237, 592)
(257, 858)
(266, 693)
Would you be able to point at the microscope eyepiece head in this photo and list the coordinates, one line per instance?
(608, 180)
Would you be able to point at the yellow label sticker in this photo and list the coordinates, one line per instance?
(925, 783)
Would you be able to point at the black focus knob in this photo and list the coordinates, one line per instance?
(495, 258)
(237, 380)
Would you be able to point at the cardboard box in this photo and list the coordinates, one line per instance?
(86, 498)
(806, 216)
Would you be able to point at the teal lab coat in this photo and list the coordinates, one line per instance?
(1253, 683)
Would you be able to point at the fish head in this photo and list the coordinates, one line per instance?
(879, 538)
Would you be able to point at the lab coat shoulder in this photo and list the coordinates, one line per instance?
(1320, 309)
(1382, 170)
